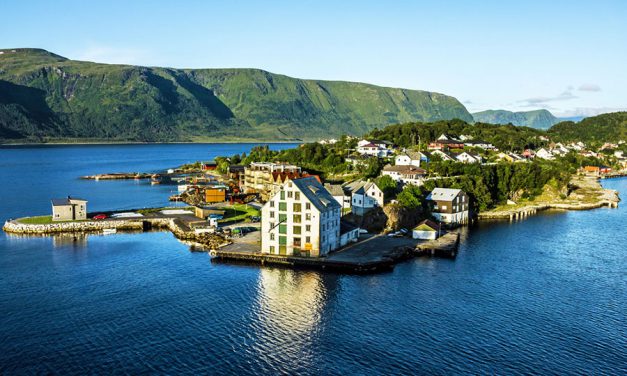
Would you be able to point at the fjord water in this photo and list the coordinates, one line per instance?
(547, 295)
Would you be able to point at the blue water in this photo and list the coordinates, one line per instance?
(544, 296)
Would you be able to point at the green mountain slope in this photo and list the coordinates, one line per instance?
(598, 129)
(46, 97)
(540, 119)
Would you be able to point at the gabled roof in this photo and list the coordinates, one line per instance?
(358, 186)
(443, 194)
(334, 189)
(316, 193)
(427, 225)
(65, 201)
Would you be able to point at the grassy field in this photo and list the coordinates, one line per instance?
(42, 220)
(238, 212)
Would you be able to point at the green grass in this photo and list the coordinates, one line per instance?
(238, 212)
(41, 220)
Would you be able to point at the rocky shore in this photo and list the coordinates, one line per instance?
(587, 193)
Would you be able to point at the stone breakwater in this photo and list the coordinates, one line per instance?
(202, 241)
(16, 227)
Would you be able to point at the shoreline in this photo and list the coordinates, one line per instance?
(605, 198)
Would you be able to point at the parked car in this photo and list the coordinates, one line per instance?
(363, 231)
(100, 216)
(255, 218)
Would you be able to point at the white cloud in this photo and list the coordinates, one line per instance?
(113, 55)
(590, 111)
(542, 101)
(589, 87)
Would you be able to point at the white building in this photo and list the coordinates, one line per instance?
(467, 157)
(544, 154)
(405, 174)
(445, 156)
(364, 195)
(339, 194)
(408, 158)
(427, 230)
(301, 219)
(449, 205)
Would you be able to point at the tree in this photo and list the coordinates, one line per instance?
(387, 185)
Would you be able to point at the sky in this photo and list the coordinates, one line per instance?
(565, 56)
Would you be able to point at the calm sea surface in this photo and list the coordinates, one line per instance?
(547, 295)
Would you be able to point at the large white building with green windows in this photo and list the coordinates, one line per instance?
(301, 219)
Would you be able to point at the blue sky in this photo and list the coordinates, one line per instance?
(566, 56)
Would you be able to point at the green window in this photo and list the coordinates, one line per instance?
(282, 217)
(282, 240)
(282, 195)
(283, 206)
(296, 230)
(282, 230)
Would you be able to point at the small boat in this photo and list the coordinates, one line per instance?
(109, 231)
(155, 179)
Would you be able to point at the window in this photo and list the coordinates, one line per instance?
(282, 195)
(443, 207)
(307, 239)
(297, 218)
(297, 242)
(282, 240)
(308, 228)
(271, 249)
(289, 194)
(297, 195)
(322, 238)
(271, 214)
(323, 227)
(271, 204)
(272, 236)
(282, 217)
(271, 225)
(308, 206)
(282, 229)
(307, 217)
(296, 230)
(283, 206)
(297, 207)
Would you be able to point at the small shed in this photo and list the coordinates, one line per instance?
(348, 233)
(204, 213)
(69, 209)
(426, 229)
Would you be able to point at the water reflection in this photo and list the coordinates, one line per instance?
(289, 308)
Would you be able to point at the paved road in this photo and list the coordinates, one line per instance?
(371, 249)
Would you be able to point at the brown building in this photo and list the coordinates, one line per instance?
(215, 194)
(449, 205)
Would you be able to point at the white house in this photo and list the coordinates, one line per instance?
(364, 195)
(544, 154)
(449, 205)
(467, 157)
(479, 144)
(408, 158)
(445, 156)
(300, 219)
(405, 174)
(338, 193)
(373, 150)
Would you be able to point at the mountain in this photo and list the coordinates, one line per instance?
(571, 118)
(598, 129)
(46, 97)
(540, 119)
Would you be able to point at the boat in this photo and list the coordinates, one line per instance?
(109, 231)
(155, 179)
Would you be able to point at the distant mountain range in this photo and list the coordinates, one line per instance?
(46, 97)
(540, 119)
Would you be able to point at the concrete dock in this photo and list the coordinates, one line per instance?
(445, 246)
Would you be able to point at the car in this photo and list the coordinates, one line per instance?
(100, 216)
(255, 218)
(363, 231)
(404, 231)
